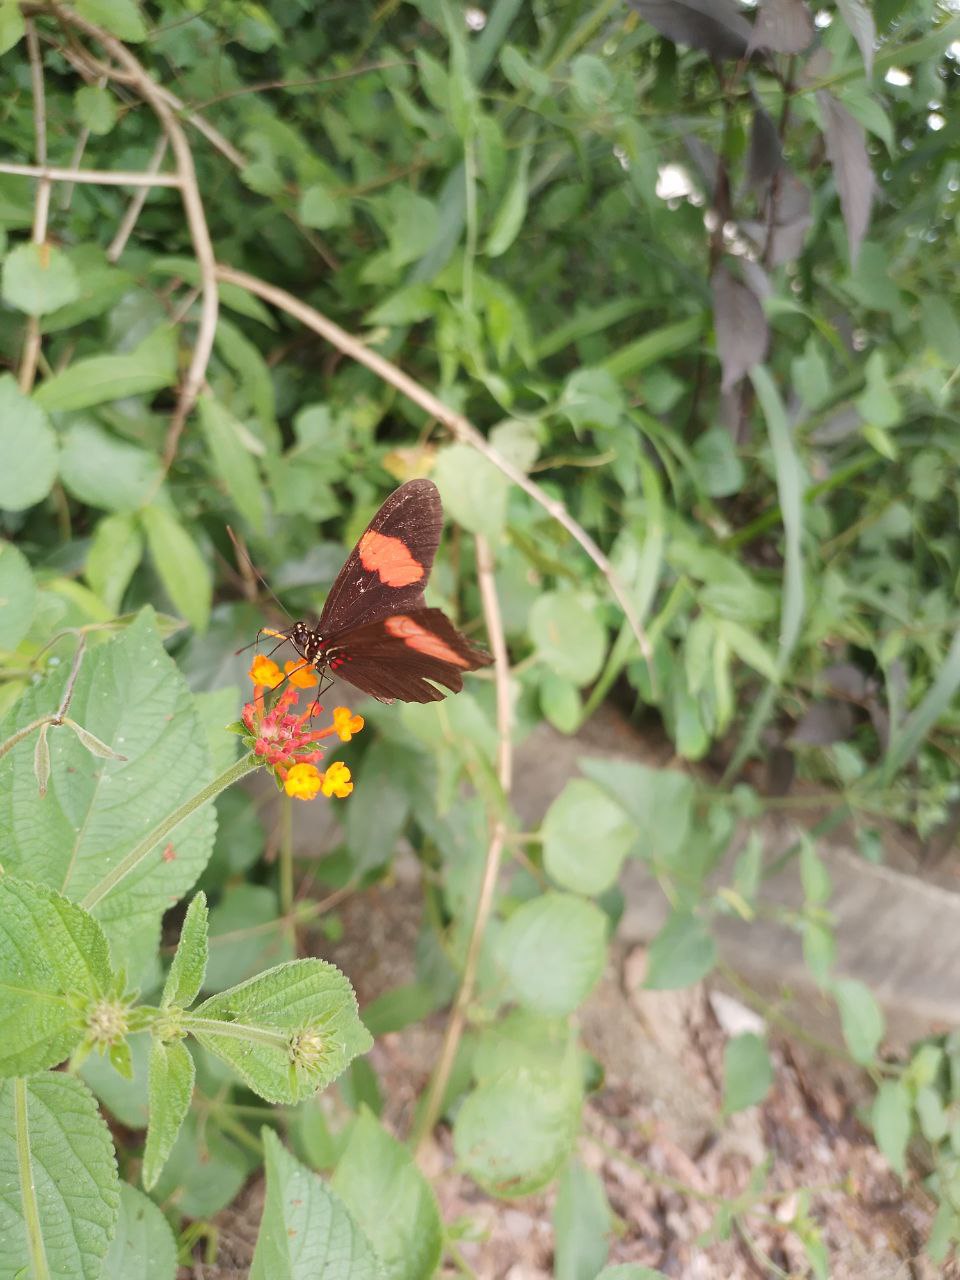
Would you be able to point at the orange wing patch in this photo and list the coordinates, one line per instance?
(390, 558)
(423, 641)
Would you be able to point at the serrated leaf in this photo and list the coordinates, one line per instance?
(232, 461)
(747, 1073)
(143, 1247)
(391, 1201)
(190, 958)
(567, 635)
(288, 1032)
(151, 366)
(18, 595)
(120, 17)
(183, 570)
(552, 951)
(116, 549)
(170, 1090)
(37, 278)
(72, 1175)
(681, 954)
(582, 1224)
(131, 695)
(28, 447)
(891, 1122)
(741, 327)
(586, 837)
(53, 958)
(306, 1232)
(847, 152)
(861, 1018)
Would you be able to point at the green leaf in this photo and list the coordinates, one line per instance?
(409, 305)
(247, 935)
(513, 208)
(12, 26)
(171, 1088)
(891, 1123)
(660, 802)
(126, 1099)
(934, 1121)
(18, 595)
(591, 80)
(719, 463)
(412, 224)
(586, 837)
(149, 367)
(205, 1170)
(120, 17)
(231, 295)
(286, 1033)
(130, 694)
(72, 1176)
(53, 960)
(28, 447)
(553, 950)
(104, 471)
(391, 1201)
(318, 208)
(233, 463)
(560, 702)
(256, 384)
(306, 1232)
(143, 1247)
(747, 1073)
(190, 959)
(514, 1133)
(582, 1224)
(681, 954)
(116, 549)
(183, 571)
(814, 876)
(38, 278)
(96, 109)
(592, 398)
(747, 647)
(861, 1018)
(567, 635)
(473, 490)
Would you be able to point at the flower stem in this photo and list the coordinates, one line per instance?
(39, 1270)
(126, 865)
(286, 869)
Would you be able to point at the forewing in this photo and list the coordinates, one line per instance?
(388, 569)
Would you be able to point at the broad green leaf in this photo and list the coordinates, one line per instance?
(660, 802)
(53, 959)
(861, 1018)
(288, 1032)
(126, 1099)
(592, 398)
(171, 1089)
(934, 1119)
(96, 109)
(98, 379)
(514, 1133)
(247, 935)
(104, 471)
(37, 278)
(560, 702)
(591, 80)
(183, 571)
(567, 635)
(143, 1247)
(747, 647)
(891, 1122)
(116, 549)
(18, 595)
(120, 17)
(522, 1040)
(412, 224)
(190, 959)
(12, 26)
(306, 1232)
(582, 1224)
(391, 1201)
(318, 208)
(204, 1171)
(130, 694)
(552, 951)
(474, 492)
(513, 209)
(747, 1073)
(681, 954)
(409, 305)
(72, 1178)
(233, 464)
(102, 286)
(28, 448)
(586, 837)
(231, 295)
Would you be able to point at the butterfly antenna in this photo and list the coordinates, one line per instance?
(243, 555)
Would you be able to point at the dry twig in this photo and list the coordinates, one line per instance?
(41, 208)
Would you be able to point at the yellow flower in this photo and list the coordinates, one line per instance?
(336, 780)
(300, 674)
(346, 723)
(304, 781)
(265, 672)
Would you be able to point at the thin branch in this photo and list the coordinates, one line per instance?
(491, 869)
(458, 426)
(135, 207)
(41, 208)
(157, 99)
(96, 177)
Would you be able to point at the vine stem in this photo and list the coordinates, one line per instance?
(461, 428)
(453, 1032)
(127, 865)
(97, 177)
(39, 1270)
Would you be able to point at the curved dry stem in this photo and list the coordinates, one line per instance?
(459, 427)
(96, 177)
(41, 209)
(135, 207)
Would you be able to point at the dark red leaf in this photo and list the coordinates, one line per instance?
(741, 327)
(783, 26)
(765, 154)
(847, 150)
(716, 26)
(823, 723)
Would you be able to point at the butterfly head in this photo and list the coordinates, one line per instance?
(307, 642)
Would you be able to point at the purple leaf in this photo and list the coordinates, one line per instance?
(783, 26)
(765, 154)
(823, 723)
(859, 19)
(741, 327)
(716, 26)
(847, 150)
(846, 680)
(791, 220)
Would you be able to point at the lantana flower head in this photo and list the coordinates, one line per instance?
(285, 737)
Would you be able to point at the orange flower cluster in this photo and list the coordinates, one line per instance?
(286, 740)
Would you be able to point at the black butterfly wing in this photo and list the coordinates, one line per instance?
(388, 569)
(398, 656)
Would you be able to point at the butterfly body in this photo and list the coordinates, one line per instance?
(375, 629)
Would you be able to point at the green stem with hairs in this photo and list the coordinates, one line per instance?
(39, 1270)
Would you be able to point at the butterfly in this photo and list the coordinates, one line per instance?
(374, 630)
